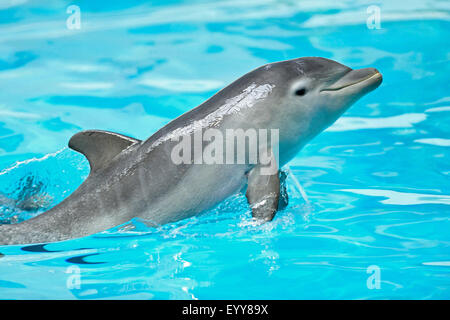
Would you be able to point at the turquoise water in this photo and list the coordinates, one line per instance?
(370, 193)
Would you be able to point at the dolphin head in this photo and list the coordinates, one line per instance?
(329, 85)
(311, 94)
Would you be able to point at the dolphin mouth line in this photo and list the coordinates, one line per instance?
(377, 74)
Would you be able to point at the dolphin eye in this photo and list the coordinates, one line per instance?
(300, 92)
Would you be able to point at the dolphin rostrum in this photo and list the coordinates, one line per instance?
(161, 179)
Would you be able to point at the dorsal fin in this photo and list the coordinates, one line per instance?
(100, 147)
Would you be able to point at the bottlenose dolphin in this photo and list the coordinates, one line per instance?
(131, 178)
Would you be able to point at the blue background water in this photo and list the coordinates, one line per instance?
(376, 183)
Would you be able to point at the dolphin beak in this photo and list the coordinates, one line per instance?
(366, 80)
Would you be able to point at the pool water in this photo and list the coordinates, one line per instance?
(369, 209)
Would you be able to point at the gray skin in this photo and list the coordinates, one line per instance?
(130, 178)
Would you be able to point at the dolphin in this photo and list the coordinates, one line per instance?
(130, 178)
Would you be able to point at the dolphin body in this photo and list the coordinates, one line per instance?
(130, 178)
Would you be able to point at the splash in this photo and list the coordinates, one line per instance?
(33, 186)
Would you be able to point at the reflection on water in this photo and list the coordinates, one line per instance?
(403, 198)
